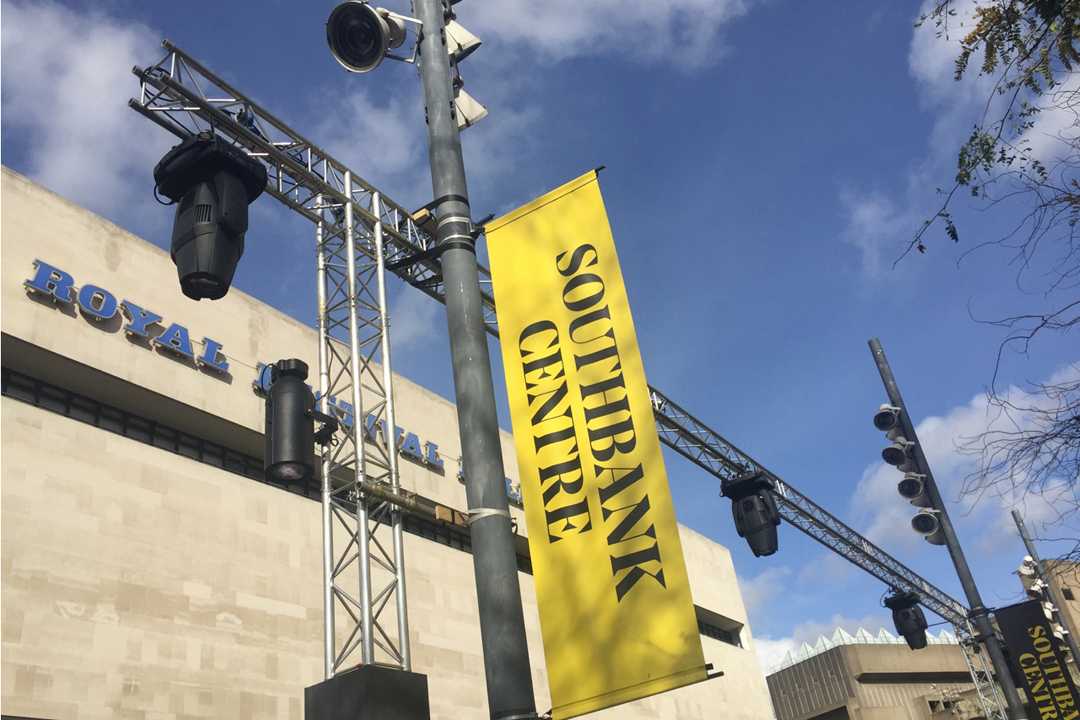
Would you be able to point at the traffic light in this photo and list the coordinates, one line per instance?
(213, 183)
(914, 486)
(908, 618)
(754, 509)
(360, 35)
(290, 425)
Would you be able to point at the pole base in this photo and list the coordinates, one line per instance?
(369, 692)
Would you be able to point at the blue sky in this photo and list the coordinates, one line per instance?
(766, 164)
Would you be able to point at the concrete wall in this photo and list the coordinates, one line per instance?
(138, 583)
(870, 682)
(1065, 577)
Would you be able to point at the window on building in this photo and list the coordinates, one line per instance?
(83, 409)
(1068, 593)
(716, 626)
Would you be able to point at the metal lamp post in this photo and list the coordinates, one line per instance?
(979, 614)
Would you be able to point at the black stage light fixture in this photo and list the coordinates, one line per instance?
(908, 618)
(290, 424)
(213, 183)
(359, 35)
(754, 509)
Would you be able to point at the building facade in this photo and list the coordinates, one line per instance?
(1064, 578)
(874, 677)
(148, 570)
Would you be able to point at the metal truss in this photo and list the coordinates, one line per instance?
(184, 97)
(707, 449)
(704, 447)
(363, 555)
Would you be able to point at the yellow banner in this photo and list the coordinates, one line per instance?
(616, 613)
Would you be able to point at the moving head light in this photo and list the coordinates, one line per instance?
(213, 184)
(908, 618)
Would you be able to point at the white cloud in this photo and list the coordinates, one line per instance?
(771, 651)
(873, 224)
(683, 32)
(66, 84)
(415, 320)
(385, 142)
(881, 227)
(759, 590)
(885, 515)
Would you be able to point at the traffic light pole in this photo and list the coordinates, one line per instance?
(1055, 596)
(979, 614)
(502, 623)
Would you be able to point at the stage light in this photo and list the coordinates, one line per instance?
(886, 418)
(908, 618)
(754, 510)
(212, 183)
(913, 489)
(926, 523)
(290, 424)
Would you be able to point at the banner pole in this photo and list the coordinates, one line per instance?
(502, 622)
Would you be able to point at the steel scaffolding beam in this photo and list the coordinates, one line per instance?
(184, 97)
(363, 555)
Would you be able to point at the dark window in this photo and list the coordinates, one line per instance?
(720, 634)
(716, 626)
(1068, 593)
(75, 406)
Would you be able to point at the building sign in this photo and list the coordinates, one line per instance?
(1038, 661)
(616, 613)
(102, 307)
(410, 445)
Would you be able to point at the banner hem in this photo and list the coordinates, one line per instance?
(630, 693)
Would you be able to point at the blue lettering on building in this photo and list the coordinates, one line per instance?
(98, 304)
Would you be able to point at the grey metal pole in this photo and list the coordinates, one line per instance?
(502, 623)
(979, 614)
(327, 517)
(390, 439)
(363, 537)
(1055, 596)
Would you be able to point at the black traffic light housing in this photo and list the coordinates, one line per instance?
(290, 425)
(213, 183)
(754, 509)
(908, 618)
